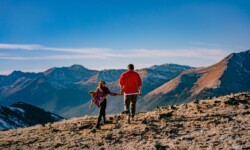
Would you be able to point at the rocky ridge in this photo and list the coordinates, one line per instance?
(214, 123)
(23, 115)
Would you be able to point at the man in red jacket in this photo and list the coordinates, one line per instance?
(131, 86)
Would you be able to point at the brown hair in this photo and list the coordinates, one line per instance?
(100, 87)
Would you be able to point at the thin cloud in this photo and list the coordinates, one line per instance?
(20, 46)
(214, 54)
(185, 53)
(53, 57)
(41, 47)
(77, 50)
(105, 53)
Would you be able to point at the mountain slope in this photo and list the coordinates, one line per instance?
(22, 115)
(216, 123)
(14, 82)
(231, 75)
(157, 75)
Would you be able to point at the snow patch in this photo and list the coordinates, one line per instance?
(55, 117)
(5, 125)
(17, 122)
(246, 71)
(16, 109)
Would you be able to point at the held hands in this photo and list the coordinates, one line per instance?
(140, 93)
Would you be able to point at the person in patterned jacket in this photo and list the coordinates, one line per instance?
(99, 98)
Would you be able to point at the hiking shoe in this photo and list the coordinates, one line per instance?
(125, 112)
(128, 119)
(98, 127)
(132, 118)
(93, 130)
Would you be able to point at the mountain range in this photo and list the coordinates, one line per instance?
(64, 90)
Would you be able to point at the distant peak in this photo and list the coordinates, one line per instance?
(245, 52)
(168, 65)
(19, 103)
(17, 73)
(75, 67)
(78, 67)
(238, 54)
(242, 52)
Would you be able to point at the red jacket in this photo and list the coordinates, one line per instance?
(130, 81)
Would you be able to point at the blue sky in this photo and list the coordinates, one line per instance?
(36, 35)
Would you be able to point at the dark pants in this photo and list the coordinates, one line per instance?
(130, 104)
(102, 112)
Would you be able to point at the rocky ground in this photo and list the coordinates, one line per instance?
(215, 123)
